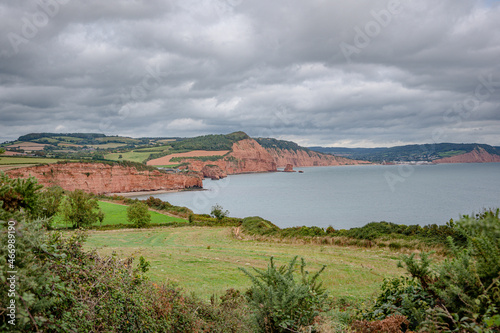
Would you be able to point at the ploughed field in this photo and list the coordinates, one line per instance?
(205, 260)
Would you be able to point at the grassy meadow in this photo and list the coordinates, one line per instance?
(128, 156)
(205, 260)
(117, 214)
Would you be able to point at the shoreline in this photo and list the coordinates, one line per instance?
(139, 193)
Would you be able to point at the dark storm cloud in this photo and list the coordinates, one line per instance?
(357, 73)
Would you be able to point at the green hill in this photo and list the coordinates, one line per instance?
(425, 152)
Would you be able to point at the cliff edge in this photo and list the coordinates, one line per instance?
(246, 156)
(287, 152)
(304, 158)
(100, 178)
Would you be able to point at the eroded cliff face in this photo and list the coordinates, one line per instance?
(100, 178)
(302, 158)
(213, 172)
(478, 155)
(246, 156)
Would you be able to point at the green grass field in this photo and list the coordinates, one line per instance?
(117, 214)
(8, 160)
(205, 260)
(451, 153)
(128, 156)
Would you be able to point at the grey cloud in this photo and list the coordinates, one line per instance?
(193, 67)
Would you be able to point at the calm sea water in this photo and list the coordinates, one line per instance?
(351, 196)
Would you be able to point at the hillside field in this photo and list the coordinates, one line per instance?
(205, 260)
(117, 214)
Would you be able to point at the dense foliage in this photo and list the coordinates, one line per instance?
(431, 234)
(138, 214)
(210, 142)
(460, 294)
(36, 136)
(49, 201)
(158, 204)
(81, 209)
(279, 144)
(281, 301)
(18, 196)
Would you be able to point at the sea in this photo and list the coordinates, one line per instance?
(351, 196)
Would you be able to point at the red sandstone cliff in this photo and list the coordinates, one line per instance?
(304, 158)
(102, 178)
(213, 172)
(246, 156)
(478, 155)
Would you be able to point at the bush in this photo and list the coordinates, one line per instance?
(138, 214)
(219, 213)
(18, 196)
(283, 303)
(459, 294)
(158, 204)
(256, 225)
(401, 296)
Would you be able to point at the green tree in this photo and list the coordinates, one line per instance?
(138, 214)
(219, 213)
(49, 201)
(81, 209)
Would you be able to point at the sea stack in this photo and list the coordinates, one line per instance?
(289, 168)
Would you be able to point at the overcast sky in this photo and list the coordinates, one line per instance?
(358, 73)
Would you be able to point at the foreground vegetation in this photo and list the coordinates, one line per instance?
(63, 285)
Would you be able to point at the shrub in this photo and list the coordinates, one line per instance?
(283, 303)
(157, 203)
(18, 196)
(401, 296)
(459, 294)
(219, 213)
(256, 225)
(138, 214)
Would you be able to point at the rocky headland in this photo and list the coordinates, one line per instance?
(308, 158)
(246, 156)
(478, 155)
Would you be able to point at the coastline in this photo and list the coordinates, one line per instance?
(138, 193)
